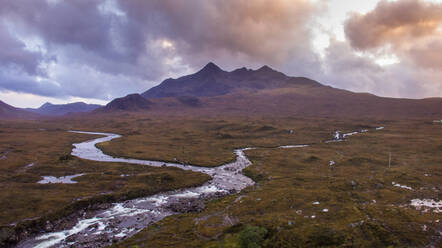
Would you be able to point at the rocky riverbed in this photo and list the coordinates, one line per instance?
(109, 223)
(112, 222)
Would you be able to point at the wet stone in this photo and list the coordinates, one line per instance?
(187, 205)
(121, 220)
(48, 226)
(354, 184)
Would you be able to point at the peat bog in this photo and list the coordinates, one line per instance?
(299, 199)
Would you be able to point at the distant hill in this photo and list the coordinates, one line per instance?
(10, 112)
(269, 92)
(62, 109)
(213, 81)
(133, 102)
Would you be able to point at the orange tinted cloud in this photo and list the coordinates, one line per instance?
(394, 23)
(103, 49)
(411, 29)
(264, 30)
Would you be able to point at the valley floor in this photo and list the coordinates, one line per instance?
(300, 198)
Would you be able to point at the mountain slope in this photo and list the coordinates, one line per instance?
(62, 109)
(268, 92)
(133, 102)
(9, 112)
(324, 102)
(213, 81)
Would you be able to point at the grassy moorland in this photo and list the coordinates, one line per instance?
(210, 142)
(364, 208)
(30, 150)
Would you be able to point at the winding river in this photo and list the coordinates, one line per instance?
(124, 219)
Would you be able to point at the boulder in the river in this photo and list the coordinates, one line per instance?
(49, 226)
(187, 205)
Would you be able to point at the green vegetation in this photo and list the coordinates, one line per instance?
(358, 205)
(252, 236)
(210, 142)
(33, 150)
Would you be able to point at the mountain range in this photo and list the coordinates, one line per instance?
(213, 81)
(46, 110)
(10, 112)
(63, 109)
(243, 91)
(265, 91)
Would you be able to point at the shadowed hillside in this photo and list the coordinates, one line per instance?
(9, 112)
(62, 109)
(133, 102)
(213, 81)
(268, 92)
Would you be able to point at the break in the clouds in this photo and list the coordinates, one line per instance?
(101, 49)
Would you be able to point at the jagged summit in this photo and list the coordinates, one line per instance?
(211, 80)
(46, 104)
(265, 68)
(209, 69)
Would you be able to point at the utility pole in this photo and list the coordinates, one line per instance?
(389, 160)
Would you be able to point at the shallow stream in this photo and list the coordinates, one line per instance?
(124, 219)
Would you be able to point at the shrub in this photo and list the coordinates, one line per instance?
(65, 157)
(324, 236)
(252, 236)
(311, 159)
(256, 177)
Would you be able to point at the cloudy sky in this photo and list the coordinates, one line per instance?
(96, 50)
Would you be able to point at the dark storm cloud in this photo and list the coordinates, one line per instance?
(84, 39)
(26, 84)
(65, 22)
(125, 40)
(108, 48)
(14, 55)
(265, 31)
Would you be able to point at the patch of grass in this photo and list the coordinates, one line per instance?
(28, 205)
(255, 176)
(363, 208)
(322, 236)
(252, 236)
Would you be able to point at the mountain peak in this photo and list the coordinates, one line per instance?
(46, 104)
(213, 81)
(267, 71)
(210, 68)
(62, 109)
(9, 112)
(265, 68)
(212, 65)
(78, 103)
